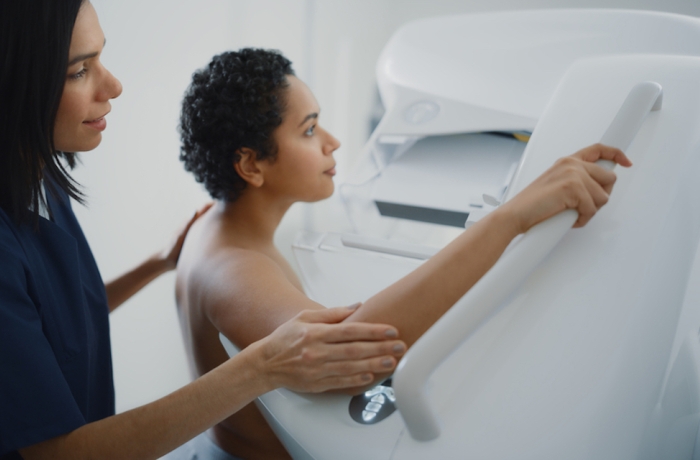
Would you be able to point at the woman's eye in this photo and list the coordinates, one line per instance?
(310, 131)
(78, 75)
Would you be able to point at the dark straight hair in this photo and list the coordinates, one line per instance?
(35, 40)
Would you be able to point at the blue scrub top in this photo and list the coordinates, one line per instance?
(55, 355)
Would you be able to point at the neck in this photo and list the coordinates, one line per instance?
(255, 215)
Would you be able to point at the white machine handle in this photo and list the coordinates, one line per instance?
(489, 293)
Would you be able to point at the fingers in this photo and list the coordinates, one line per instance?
(336, 383)
(351, 332)
(332, 332)
(199, 213)
(602, 176)
(596, 182)
(171, 254)
(603, 152)
(202, 210)
(312, 353)
(327, 315)
(587, 206)
(351, 374)
(587, 194)
(573, 182)
(331, 352)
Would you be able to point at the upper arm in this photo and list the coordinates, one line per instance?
(246, 295)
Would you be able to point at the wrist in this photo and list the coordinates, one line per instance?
(507, 219)
(256, 366)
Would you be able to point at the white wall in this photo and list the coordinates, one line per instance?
(139, 193)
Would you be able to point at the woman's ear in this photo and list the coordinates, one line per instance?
(247, 167)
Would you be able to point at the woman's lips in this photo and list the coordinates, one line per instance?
(100, 124)
(330, 172)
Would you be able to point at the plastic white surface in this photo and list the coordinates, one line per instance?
(486, 72)
(497, 70)
(482, 300)
(587, 345)
(450, 172)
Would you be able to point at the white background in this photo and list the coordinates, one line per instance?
(139, 194)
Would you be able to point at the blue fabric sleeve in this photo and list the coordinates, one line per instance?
(36, 402)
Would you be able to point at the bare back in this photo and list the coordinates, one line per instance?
(210, 246)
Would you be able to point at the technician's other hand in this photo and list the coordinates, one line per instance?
(312, 354)
(574, 182)
(171, 254)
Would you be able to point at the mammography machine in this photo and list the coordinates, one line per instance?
(578, 343)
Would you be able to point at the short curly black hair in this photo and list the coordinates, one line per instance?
(234, 102)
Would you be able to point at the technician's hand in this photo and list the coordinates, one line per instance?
(312, 354)
(574, 182)
(171, 254)
(123, 287)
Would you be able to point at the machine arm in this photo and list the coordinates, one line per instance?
(499, 283)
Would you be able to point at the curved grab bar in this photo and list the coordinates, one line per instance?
(489, 293)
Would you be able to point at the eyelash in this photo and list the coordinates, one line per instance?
(78, 75)
(310, 131)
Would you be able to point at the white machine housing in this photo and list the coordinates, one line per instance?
(595, 353)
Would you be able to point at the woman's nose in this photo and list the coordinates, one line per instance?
(115, 86)
(110, 87)
(332, 144)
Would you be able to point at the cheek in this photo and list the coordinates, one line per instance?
(292, 162)
(298, 172)
(67, 117)
(70, 110)
(70, 135)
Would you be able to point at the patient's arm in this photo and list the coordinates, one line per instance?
(416, 301)
(247, 295)
(263, 298)
(419, 299)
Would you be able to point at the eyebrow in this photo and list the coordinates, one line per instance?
(309, 117)
(84, 57)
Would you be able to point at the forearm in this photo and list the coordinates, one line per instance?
(151, 431)
(417, 301)
(122, 288)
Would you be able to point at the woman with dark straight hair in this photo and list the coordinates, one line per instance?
(56, 387)
(34, 48)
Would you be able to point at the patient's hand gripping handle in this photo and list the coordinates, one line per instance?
(489, 293)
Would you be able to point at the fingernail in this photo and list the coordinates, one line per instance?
(388, 362)
(355, 306)
(366, 377)
(391, 333)
(398, 348)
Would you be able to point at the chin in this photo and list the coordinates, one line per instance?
(83, 145)
(329, 192)
(325, 194)
(92, 144)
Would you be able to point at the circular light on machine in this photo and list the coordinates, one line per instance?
(421, 112)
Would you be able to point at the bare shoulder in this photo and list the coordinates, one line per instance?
(244, 292)
(213, 255)
(234, 270)
(246, 295)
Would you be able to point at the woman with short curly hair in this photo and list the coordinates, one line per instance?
(251, 133)
(235, 102)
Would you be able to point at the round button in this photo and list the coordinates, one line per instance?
(421, 112)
